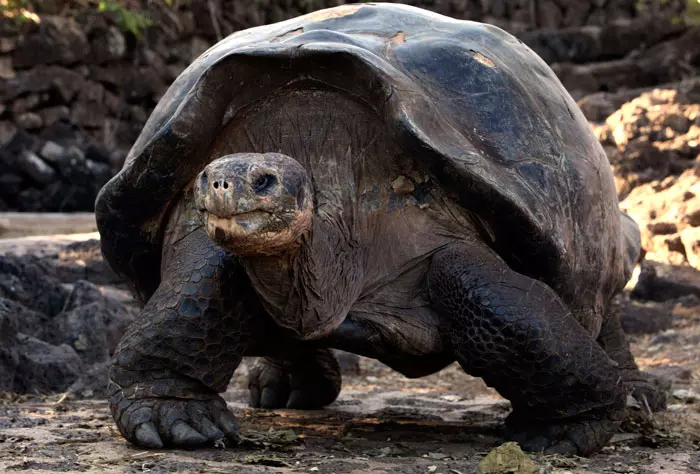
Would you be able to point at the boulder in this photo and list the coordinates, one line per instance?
(32, 282)
(43, 368)
(8, 354)
(56, 39)
(26, 321)
(35, 168)
(661, 282)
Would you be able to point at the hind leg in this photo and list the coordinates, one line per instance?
(303, 378)
(646, 389)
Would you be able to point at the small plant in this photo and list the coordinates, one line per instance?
(128, 20)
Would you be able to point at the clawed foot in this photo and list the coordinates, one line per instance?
(308, 385)
(172, 422)
(649, 391)
(571, 436)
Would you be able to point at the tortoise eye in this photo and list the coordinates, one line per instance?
(263, 183)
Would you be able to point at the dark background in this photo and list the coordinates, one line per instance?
(78, 78)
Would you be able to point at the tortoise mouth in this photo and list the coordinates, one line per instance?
(245, 215)
(257, 232)
(237, 225)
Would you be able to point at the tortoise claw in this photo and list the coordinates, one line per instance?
(147, 436)
(183, 434)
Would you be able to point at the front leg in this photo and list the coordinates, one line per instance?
(303, 377)
(183, 349)
(516, 334)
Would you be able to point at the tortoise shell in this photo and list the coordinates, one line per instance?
(483, 113)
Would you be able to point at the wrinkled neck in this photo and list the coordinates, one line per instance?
(310, 289)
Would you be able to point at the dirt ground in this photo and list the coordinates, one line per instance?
(381, 423)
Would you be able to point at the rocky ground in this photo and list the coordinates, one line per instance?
(382, 423)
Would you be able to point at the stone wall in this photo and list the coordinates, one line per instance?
(77, 87)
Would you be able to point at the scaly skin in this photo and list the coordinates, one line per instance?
(183, 349)
(648, 390)
(516, 334)
(307, 378)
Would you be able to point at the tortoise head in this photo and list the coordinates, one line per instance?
(255, 204)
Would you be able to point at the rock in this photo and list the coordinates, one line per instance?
(92, 383)
(92, 329)
(674, 373)
(648, 317)
(550, 15)
(687, 396)
(26, 103)
(690, 238)
(88, 114)
(32, 323)
(7, 132)
(666, 213)
(29, 120)
(97, 153)
(10, 185)
(666, 337)
(659, 282)
(108, 45)
(53, 152)
(35, 168)
(42, 78)
(43, 368)
(8, 323)
(51, 115)
(602, 76)
(32, 283)
(57, 39)
(118, 75)
(83, 261)
(7, 45)
(667, 61)
(595, 42)
(7, 71)
(9, 361)
(91, 92)
(67, 83)
(62, 133)
(507, 458)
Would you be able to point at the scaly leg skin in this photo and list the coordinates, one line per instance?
(648, 390)
(516, 334)
(306, 378)
(183, 349)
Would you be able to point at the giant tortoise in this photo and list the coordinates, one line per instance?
(383, 180)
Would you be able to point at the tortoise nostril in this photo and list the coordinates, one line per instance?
(216, 185)
(225, 185)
